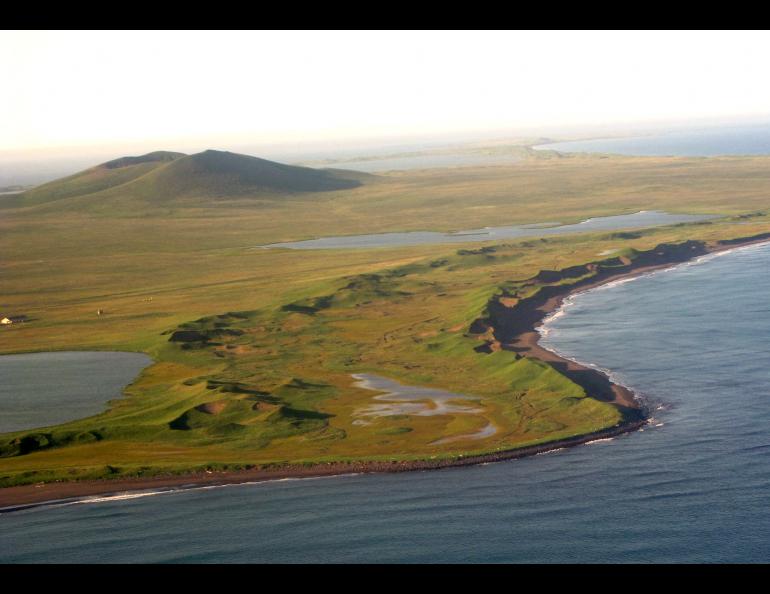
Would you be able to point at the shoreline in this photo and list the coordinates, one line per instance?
(61, 493)
(514, 328)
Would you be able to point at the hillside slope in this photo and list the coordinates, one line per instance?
(163, 178)
(96, 179)
(225, 174)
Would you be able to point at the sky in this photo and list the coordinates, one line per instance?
(67, 90)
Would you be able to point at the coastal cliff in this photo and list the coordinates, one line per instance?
(511, 318)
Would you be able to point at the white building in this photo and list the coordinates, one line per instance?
(13, 319)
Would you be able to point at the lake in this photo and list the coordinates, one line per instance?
(637, 220)
(43, 389)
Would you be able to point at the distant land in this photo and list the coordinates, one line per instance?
(709, 141)
(34, 169)
(379, 154)
(14, 189)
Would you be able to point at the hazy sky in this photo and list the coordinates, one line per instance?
(62, 89)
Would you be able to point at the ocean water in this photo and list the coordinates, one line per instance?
(637, 220)
(745, 139)
(693, 486)
(43, 389)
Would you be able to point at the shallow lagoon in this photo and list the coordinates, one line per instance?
(400, 399)
(43, 389)
(638, 220)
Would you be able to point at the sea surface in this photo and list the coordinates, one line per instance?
(693, 486)
(638, 220)
(43, 389)
(745, 139)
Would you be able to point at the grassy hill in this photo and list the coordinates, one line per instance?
(225, 174)
(154, 157)
(164, 177)
(102, 177)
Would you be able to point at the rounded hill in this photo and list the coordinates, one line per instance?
(223, 174)
(164, 176)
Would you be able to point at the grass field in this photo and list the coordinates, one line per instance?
(259, 370)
